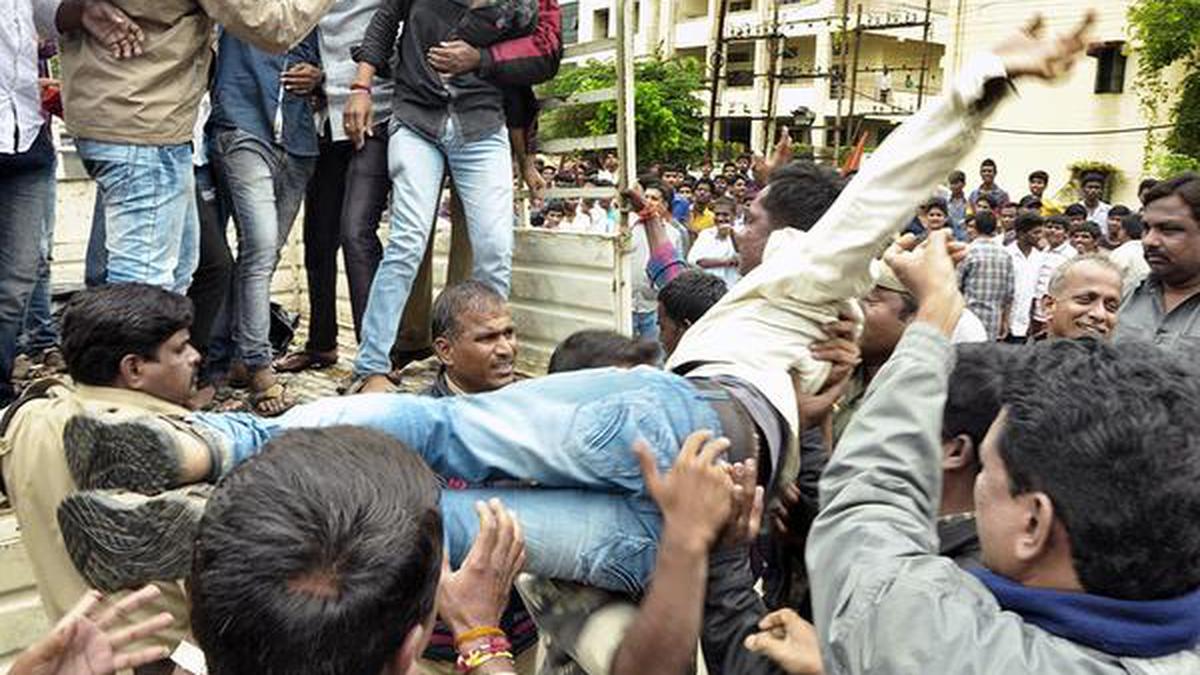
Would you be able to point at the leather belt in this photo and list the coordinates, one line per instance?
(736, 423)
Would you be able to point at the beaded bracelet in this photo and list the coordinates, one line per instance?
(493, 648)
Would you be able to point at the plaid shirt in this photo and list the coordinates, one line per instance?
(986, 280)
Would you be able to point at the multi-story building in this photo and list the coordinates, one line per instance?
(1092, 115)
(804, 66)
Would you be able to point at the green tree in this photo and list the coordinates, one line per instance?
(1168, 37)
(669, 118)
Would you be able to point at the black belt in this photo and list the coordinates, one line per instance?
(736, 423)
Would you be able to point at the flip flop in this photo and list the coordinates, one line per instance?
(261, 401)
(295, 362)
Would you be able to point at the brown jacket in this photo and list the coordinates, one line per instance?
(37, 480)
(152, 99)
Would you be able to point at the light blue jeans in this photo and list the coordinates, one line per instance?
(567, 437)
(151, 230)
(263, 186)
(482, 173)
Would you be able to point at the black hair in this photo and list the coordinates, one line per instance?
(799, 193)
(318, 555)
(988, 162)
(985, 223)
(1146, 184)
(1027, 221)
(1076, 210)
(934, 203)
(1186, 185)
(103, 325)
(456, 300)
(985, 197)
(1119, 210)
(555, 205)
(1045, 177)
(957, 176)
(650, 182)
(1111, 433)
(601, 349)
(690, 295)
(1029, 202)
(973, 399)
(705, 181)
(1091, 177)
(1060, 221)
(1089, 227)
(1133, 226)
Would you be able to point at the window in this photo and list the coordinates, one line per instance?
(570, 23)
(1110, 66)
(740, 5)
(600, 24)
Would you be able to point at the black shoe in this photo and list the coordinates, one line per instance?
(119, 539)
(141, 454)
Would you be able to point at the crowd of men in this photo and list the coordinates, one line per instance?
(977, 452)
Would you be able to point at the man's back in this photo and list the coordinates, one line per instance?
(37, 480)
(986, 280)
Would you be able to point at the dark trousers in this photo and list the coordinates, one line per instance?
(210, 282)
(344, 205)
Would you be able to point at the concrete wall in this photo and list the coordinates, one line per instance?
(1015, 135)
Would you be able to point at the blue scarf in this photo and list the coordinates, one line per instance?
(1140, 628)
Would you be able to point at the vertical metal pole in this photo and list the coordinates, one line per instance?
(854, 71)
(924, 55)
(778, 44)
(716, 65)
(841, 90)
(626, 124)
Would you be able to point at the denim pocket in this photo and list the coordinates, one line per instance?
(607, 429)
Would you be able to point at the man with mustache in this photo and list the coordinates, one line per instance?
(1165, 308)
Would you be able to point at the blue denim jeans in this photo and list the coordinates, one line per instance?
(38, 330)
(482, 173)
(263, 187)
(645, 325)
(569, 437)
(151, 231)
(95, 265)
(24, 190)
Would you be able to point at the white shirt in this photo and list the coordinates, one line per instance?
(1131, 258)
(1065, 249)
(969, 329)
(21, 22)
(1099, 216)
(762, 329)
(709, 245)
(1026, 270)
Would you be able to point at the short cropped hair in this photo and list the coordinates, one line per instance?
(1059, 278)
(1059, 222)
(1084, 414)
(934, 203)
(318, 555)
(956, 176)
(1076, 210)
(1088, 227)
(1133, 226)
(1119, 210)
(985, 223)
(1030, 202)
(1186, 186)
(991, 201)
(458, 299)
(690, 295)
(973, 399)
(988, 162)
(602, 349)
(1092, 177)
(800, 193)
(1027, 221)
(105, 324)
(1039, 174)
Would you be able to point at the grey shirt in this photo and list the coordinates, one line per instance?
(340, 30)
(1142, 317)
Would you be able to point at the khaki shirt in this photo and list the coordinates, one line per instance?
(152, 99)
(37, 479)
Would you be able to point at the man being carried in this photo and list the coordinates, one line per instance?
(745, 361)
